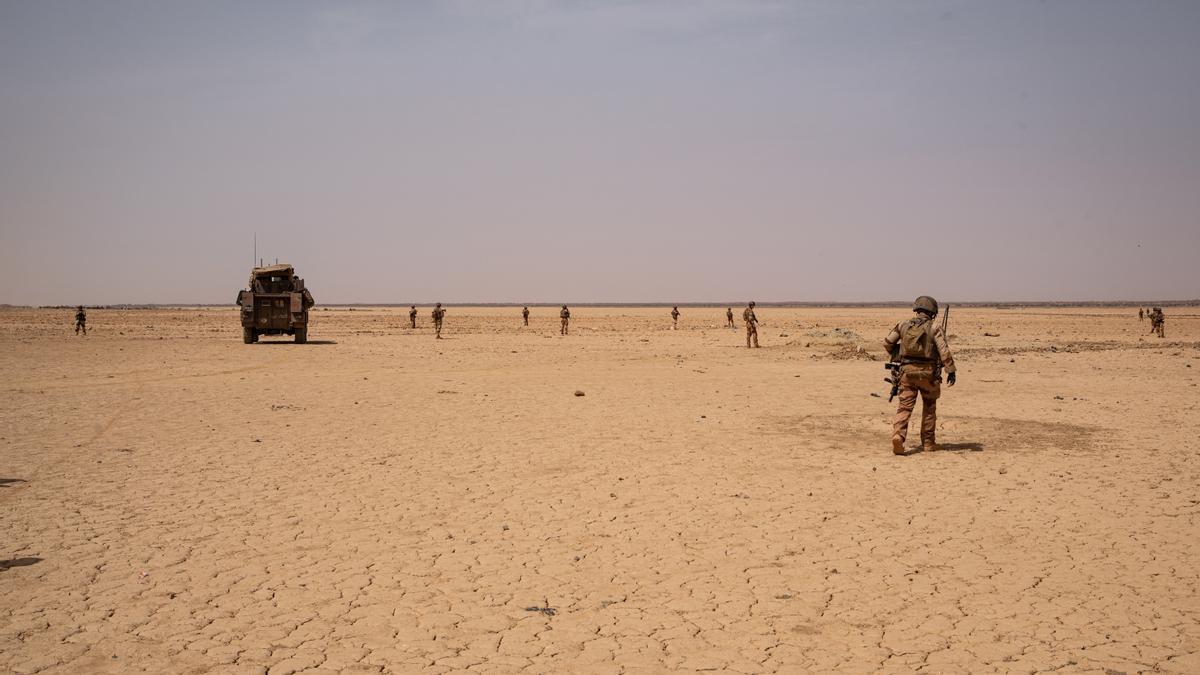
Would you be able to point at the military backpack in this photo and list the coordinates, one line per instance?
(916, 340)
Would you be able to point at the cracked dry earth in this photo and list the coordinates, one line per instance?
(176, 501)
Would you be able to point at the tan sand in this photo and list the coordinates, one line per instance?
(175, 501)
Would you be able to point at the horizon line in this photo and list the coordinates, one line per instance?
(636, 304)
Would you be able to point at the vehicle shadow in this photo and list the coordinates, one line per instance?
(293, 342)
(18, 562)
(5, 482)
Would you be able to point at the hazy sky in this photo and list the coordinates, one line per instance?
(533, 150)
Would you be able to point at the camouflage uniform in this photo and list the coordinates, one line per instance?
(1141, 314)
(81, 321)
(412, 316)
(1156, 322)
(920, 374)
(675, 318)
(525, 315)
(565, 316)
(438, 315)
(729, 317)
(751, 322)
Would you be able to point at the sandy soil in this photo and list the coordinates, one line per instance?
(176, 501)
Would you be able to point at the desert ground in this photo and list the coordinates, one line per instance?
(175, 501)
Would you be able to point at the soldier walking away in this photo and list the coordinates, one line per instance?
(80, 321)
(751, 322)
(675, 318)
(1156, 322)
(525, 314)
(1141, 314)
(729, 317)
(412, 315)
(565, 315)
(920, 347)
(438, 315)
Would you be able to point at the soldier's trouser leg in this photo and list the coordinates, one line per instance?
(928, 417)
(751, 333)
(908, 401)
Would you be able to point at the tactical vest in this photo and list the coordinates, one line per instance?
(916, 340)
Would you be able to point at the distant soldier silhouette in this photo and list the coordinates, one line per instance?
(729, 317)
(438, 315)
(565, 316)
(412, 316)
(921, 348)
(80, 321)
(675, 318)
(1141, 315)
(525, 315)
(751, 322)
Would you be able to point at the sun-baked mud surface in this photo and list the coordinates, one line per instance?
(176, 501)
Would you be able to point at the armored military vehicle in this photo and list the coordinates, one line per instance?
(276, 304)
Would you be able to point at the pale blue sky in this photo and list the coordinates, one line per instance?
(525, 151)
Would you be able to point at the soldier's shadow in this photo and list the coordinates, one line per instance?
(293, 342)
(947, 447)
(963, 447)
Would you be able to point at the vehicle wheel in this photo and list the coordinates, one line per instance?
(301, 335)
(248, 336)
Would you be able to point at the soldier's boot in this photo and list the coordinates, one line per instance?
(897, 445)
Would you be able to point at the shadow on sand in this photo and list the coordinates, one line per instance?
(293, 342)
(961, 447)
(18, 562)
(947, 447)
(5, 482)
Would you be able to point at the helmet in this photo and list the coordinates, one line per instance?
(439, 304)
(925, 303)
(751, 303)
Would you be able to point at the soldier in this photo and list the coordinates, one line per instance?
(412, 315)
(1141, 315)
(675, 318)
(729, 317)
(80, 321)
(1156, 322)
(751, 322)
(921, 347)
(525, 314)
(565, 315)
(438, 315)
